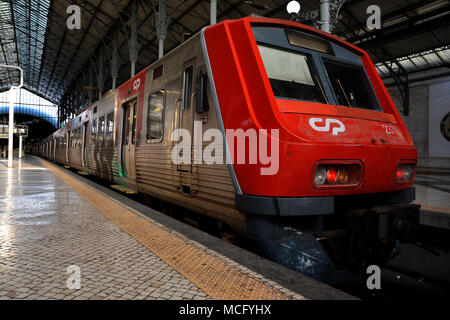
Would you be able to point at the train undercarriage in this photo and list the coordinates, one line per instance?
(337, 248)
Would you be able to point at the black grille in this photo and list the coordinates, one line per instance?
(158, 72)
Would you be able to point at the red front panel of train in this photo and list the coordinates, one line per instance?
(309, 132)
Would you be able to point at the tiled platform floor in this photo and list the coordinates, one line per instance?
(433, 194)
(45, 227)
(433, 191)
(50, 220)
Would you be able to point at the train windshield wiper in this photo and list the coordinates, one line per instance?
(343, 92)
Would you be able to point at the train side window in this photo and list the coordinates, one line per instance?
(109, 128)
(188, 79)
(94, 132)
(101, 130)
(155, 116)
(201, 98)
(71, 139)
(78, 140)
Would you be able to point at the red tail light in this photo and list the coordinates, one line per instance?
(331, 176)
(339, 175)
(405, 173)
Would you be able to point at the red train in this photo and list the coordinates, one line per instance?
(285, 133)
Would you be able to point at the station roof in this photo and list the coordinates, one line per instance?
(415, 33)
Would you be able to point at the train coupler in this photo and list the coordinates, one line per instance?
(388, 222)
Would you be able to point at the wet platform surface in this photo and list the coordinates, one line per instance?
(52, 220)
(433, 194)
(433, 190)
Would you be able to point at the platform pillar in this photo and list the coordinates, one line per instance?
(91, 83)
(325, 15)
(20, 146)
(134, 44)
(162, 23)
(100, 74)
(115, 62)
(11, 128)
(213, 12)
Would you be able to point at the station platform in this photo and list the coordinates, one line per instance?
(433, 194)
(430, 260)
(52, 220)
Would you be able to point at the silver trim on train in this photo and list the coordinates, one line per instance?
(218, 112)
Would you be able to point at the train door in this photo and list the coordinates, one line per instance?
(85, 144)
(186, 121)
(129, 126)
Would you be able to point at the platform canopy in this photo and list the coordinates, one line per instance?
(60, 64)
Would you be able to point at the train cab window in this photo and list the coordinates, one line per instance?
(188, 79)
(292, 75)
(94, 132)
(155, 117)
(351, 85)
(101, 130)
(109, 128)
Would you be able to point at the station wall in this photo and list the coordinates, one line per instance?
(429, 104)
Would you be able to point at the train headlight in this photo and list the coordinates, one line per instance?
(405, 172)
(321, 176)
(341, 174)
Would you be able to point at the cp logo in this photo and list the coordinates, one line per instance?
(327, 127)
(136, 84)
(388, 129)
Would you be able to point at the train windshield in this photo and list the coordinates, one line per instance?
(292, 75)
(351, 85)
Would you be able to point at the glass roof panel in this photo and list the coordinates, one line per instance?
(8, 54)
(31, 19)
(445, 54)
(407, 64)
(31, 104)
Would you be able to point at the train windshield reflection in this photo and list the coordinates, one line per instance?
(351, 85)
(291, 75)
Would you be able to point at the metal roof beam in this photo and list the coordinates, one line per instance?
(400, 76)
(408, 27)
(77, 50)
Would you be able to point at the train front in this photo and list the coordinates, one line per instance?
(329, 188)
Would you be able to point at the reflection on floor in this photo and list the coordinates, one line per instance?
(433, 191)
